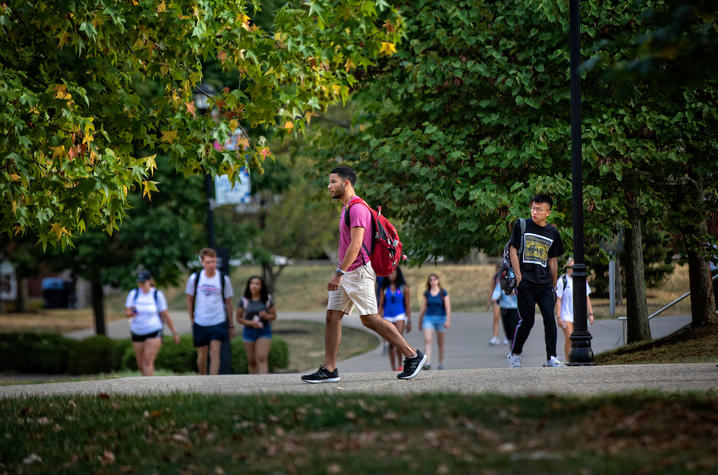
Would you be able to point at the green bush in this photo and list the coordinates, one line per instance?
(180, 358)
(278, 354)
(91, 355)
(34, 352)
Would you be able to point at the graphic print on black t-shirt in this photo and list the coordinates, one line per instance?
(536, 249)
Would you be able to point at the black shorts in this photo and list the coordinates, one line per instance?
(139, 338)
(201, 335)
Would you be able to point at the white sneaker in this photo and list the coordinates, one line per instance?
(554, 363)
(506, 341)
(514, 360)
(493, 341)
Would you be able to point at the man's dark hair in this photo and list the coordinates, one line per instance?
(345, 173)
(543, 198)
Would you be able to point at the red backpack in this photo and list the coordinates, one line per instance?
(386, 251)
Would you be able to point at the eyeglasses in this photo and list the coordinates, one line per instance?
(539, 210)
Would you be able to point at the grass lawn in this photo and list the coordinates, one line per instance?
(635, 433)
(699, 345)
(306, 343)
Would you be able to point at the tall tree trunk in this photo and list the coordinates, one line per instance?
(98, 305)
(702, 305)
(638, 328)
(21, 297)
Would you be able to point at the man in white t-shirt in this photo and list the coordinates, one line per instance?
(564, 305)
(208, 311)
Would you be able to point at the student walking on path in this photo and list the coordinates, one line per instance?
(564, 305)
(256, 312)
(435, 317)
(209, 305)
(536, 271)
(508, 309)
(353, 284)
(395, 308)
(147, 307)
(493, 303)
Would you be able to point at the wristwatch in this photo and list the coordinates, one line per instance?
(340, 272)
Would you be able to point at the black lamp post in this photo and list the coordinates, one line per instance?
(581, 353)
(202, 102)
(202, 95)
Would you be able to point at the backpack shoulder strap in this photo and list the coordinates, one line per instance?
(221, 297)
(347, 218)
(196, 284)
(522, 223)
(137, 294)
(564, 279)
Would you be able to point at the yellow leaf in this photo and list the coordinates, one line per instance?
(244, 20)
(169, 136)
(15, 177)
(63, 39)
(59, 230)
(88, 138)
(150, 163)
(124, 190)
(289, 125)
(58, 151)
(162, 7)
(147, 188)
(14, 207)
(349, 65)
(387, 48)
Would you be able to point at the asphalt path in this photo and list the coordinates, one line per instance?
(473, 367)
(467, 341)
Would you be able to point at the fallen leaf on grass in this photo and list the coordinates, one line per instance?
(390, 416)
(107, 458)
(103, 396)
(334, 468)
(32, 458)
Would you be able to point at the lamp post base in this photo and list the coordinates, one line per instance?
(581, 353)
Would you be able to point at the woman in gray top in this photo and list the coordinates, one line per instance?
(256, 312)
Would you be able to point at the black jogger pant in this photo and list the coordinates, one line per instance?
(528, 296)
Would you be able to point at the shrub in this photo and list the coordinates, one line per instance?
(91, 355)
(34, 352)
(278, 354)
(180, 358)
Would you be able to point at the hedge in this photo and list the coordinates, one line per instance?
(55, 354)
(182, 357)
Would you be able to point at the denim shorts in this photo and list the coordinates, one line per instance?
(250, 335)
(434, 322)
(201, 336)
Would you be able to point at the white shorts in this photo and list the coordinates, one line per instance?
(355, 291)
(395, 318)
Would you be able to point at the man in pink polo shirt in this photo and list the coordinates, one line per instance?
(352, 285)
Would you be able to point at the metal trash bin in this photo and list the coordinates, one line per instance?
(54, 293)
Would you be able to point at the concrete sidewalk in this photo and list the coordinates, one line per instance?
(579, 381)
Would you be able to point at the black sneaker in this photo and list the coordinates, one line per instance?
(322, 375)
(412, 366)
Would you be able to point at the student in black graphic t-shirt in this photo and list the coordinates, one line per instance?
(536, 277)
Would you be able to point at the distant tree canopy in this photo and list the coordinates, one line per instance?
(91, 91)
